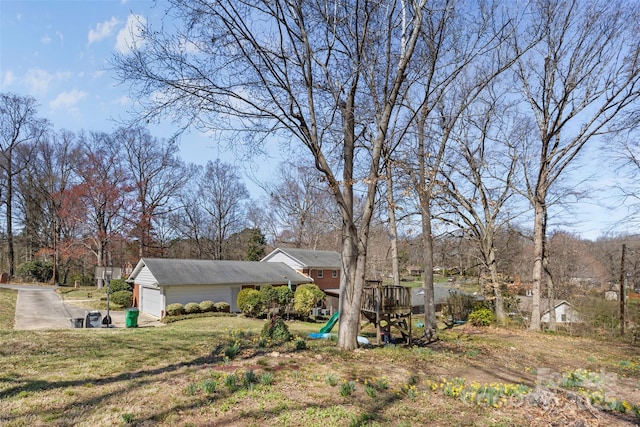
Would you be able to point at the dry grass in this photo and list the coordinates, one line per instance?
(185, 374)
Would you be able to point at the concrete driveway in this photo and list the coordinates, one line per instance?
(41, 307)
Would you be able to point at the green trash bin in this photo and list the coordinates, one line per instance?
(131, 317)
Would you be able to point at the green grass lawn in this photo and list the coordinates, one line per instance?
(219, 371)
(7, 308)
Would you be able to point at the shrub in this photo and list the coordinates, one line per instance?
(192, 308)
(306, 297)
(175, 309)
(206, 306)
(82, 279)
(117, 285)
(38, 271)
(276, 330)
(275, 299)
(249, 302)
(301, 344)
(122, 298)
(284, 295)
(222, 307)
(269, 296)
(482, 317)
(459, 306)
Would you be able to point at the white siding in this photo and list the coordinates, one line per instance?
(283, 258)
(145, 278)
(151, 301)
(184, 294)
(570, 315)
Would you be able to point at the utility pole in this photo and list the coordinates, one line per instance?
(622, 297)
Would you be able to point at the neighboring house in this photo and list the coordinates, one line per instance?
(415, 271)
(107, 273)
(565, 313)
(159, 282)
(324, 267)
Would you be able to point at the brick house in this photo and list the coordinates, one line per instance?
(323, 267)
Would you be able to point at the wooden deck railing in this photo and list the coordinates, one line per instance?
(386, 299)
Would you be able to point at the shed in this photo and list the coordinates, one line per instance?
(159, 282)
(564, 311)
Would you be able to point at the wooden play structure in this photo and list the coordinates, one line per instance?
(387, 308)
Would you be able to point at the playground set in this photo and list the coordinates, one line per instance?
(385, 307)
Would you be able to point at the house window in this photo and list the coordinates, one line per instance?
(320, 274)
(563, 317)
(334, 274)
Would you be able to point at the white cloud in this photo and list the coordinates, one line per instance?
(68, 100)
(46, 39)
(60, 37)
(38, 81)
(130, 36)
(102, 30)
(8, 79)
(123, 100)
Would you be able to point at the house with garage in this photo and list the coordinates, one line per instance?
(158, 282)
(324, 267)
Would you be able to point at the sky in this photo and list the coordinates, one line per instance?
(58, 52)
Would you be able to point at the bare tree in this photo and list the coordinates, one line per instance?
(189, 220)
(19, 127)
(45, 196)
(222, 195)
(478, 182)
(456, 40)
(299, 69)
(103, 191)
(584, 72)
(158, 175)
(300, 206)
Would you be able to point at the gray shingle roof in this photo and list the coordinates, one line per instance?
(314, 259)
(441, 294)
(210, 272)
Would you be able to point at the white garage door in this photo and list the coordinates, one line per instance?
(151, 301)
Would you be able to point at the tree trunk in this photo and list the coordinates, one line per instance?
(430, 326)
(495, 286)
(9, 216)
(393, 227)
(551, 294)
(350, 296)
(539, 241)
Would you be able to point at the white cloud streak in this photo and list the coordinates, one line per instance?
(130, 36)
(102, 30)
(68, 100)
